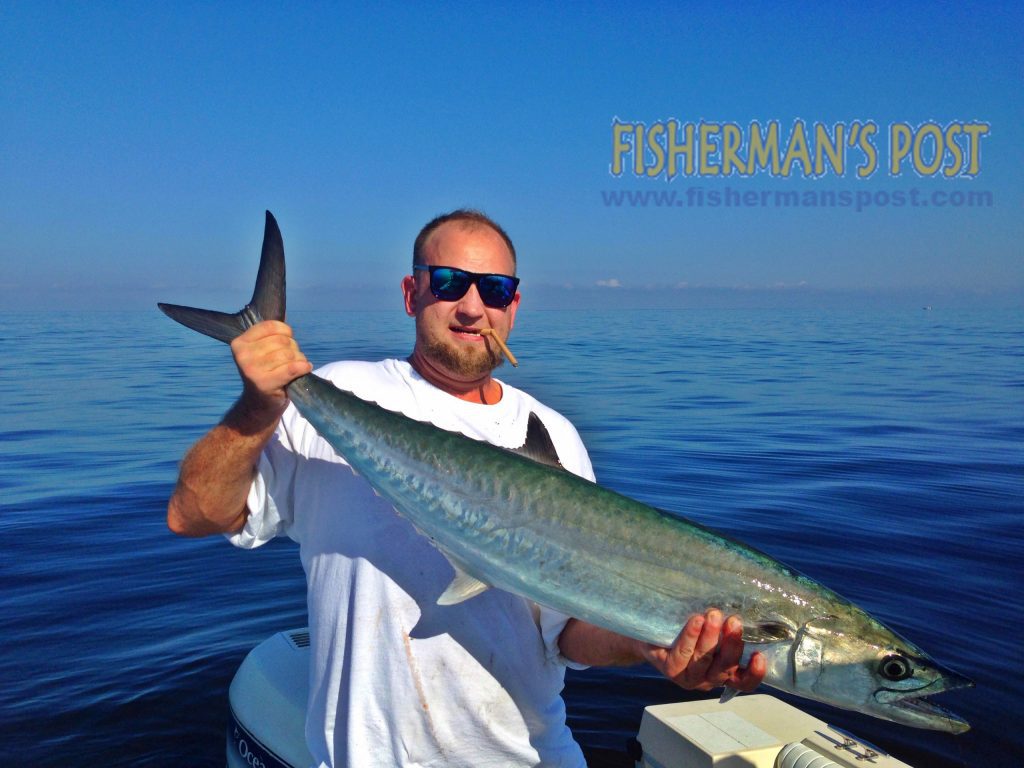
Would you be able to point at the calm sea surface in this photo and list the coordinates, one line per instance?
(881, 453)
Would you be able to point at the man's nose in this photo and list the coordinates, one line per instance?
(471, 303)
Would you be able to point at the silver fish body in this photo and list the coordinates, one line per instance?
(511, 522)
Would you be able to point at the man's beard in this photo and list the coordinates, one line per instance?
(472, 363)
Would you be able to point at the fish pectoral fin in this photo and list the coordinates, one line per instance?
(463, 587)
(538, 445)
(727, 694)
(768, 632)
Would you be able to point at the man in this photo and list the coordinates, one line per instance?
(396, 679)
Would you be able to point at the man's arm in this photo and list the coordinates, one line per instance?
(216, 473)
(706, 654)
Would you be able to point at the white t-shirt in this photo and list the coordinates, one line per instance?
(396, 680)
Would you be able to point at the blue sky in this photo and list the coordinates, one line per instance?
(141, 142)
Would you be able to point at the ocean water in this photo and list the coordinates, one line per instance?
(879, 452)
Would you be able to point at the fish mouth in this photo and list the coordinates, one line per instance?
(914, 707)
(921, 711)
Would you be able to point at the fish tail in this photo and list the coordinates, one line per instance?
(268, 298)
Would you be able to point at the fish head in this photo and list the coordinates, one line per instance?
(862, 665)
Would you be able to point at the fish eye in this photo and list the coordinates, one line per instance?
(895, 667)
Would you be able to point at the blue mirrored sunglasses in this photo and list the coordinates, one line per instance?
(450, 284)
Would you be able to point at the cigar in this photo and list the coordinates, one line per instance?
(490, 332)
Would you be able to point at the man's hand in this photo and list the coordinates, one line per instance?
(215, 475)
(268, 359)
(706, 655)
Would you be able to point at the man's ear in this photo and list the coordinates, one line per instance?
(409, 295)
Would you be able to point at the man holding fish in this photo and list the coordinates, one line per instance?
(405, 671)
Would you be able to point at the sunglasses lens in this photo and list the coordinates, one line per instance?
(497, 290)
(449, 284)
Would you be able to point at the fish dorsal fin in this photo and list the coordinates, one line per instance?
(463, 587)
(538, 445)
(768, 631)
